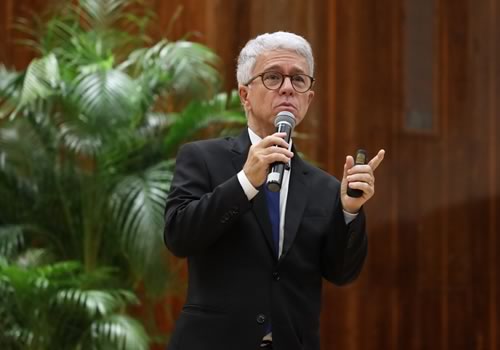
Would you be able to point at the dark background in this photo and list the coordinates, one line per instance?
(420, 78)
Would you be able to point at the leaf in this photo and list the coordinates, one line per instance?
(45, 308)
(40, 81)
(193, 67)
(118, 332)
(137, 206)
(33, 258)
(106, 98)
(102, 13)
(11, 240)
(184, 69)
(94, 303)
(80, 138)
(198, 115)
(10, 90)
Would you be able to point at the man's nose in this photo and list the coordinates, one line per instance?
(287, 87)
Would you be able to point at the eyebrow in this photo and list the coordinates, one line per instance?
(275, 67)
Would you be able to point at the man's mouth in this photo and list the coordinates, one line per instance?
(286, 106)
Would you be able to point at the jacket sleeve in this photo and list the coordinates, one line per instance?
(197, 214)
(345, 248)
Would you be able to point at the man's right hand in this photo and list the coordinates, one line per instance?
(263, 154)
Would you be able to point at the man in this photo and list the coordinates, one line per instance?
(256, 269)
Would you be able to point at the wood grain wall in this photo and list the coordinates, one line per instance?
(432, 275)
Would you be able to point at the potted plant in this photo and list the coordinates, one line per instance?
(88, 136)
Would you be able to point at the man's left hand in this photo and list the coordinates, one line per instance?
(359, 177)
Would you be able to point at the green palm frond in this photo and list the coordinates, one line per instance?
(11, 240)
(10, 87)
(47, 308)
(13, 335)
(80, 138)
(194, 70)
(184, 69)
(106, 98)
(155, 125)
(94, 303)
(40, 81)
(34, 257)
(223, 108)
(118, 332)
(137, 206)
(93, 26)
(18, 179)
(103, 13)
(17, 157)
(28, 171)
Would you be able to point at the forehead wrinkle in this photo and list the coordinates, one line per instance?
(278, 68)
(283, 61)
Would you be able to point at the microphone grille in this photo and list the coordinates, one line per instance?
(286, 117)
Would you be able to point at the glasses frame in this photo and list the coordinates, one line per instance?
(289, 76)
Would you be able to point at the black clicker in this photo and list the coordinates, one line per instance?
(360, 158)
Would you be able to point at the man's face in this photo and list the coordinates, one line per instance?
(262, 105)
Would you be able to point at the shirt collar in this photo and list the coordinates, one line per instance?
(254, 138)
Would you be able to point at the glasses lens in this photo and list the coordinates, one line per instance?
(301, 82)
(272, 80)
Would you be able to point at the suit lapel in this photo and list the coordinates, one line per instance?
(296, 202)
(240, 149)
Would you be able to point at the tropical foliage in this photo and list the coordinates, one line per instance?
(88, 133)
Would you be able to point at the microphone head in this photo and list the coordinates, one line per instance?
(285, 117)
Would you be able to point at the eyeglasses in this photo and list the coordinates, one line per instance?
(274, 80)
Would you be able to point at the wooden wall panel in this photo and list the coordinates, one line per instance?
(432, 279)
(11, 52)
(365, 94)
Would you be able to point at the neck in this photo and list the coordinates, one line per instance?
(261, 131)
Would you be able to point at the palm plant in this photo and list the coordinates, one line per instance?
(88, 133)
(56, 306)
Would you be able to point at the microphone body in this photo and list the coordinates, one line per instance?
(284, 122)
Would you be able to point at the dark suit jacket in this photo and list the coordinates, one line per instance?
(236, 284)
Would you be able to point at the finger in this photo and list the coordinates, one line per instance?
(281, 150)
(273, 140)
(362, 177)
(279, 134)
(363, 186)
(276, 158)
(375, 162)
(349, 163)
(360, 169)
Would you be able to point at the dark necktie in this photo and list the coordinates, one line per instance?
(273, 206)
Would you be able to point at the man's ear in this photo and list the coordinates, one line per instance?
(310, 97)
(243, 92)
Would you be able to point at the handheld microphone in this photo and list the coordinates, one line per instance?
(284, 122)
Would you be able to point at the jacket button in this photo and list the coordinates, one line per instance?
(224, 219)
(276, 276)
(261, 318)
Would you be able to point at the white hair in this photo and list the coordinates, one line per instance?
(268, 42)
